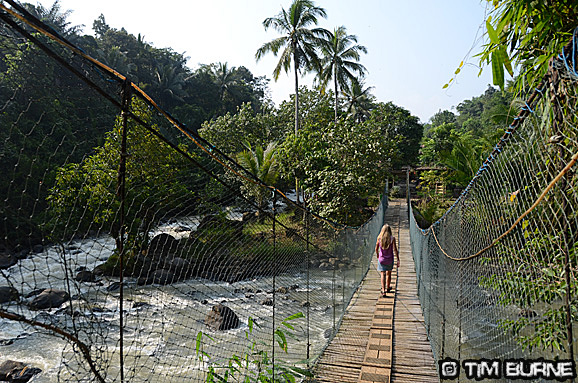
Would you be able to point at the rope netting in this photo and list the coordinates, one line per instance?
(133, 250)
(497, 273)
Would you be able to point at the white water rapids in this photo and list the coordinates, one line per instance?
(161, 323)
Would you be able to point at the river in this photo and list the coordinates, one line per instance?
(161, 323)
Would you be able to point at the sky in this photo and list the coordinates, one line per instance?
(414, 46)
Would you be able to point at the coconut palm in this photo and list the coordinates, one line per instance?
(263, 164)
(55, 18)
(359, 100)
(225, 77)
(298, 44)
(340, 61)
(168, 82)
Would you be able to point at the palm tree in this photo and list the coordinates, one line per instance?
(263, 164)
(224, 77)
(168, 81)
(298, 43)
(359, 100)
(341, 54)
(55, 18)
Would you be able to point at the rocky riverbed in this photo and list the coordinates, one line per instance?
(168, 299)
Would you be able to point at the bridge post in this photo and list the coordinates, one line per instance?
(121, 194)
(308, 283)
(274, 287)
(407, 193)
(558, 119)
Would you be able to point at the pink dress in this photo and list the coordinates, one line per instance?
(385, 257)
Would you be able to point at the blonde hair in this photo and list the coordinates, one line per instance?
(385, 236)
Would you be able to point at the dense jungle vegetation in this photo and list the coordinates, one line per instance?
(334, 142)
(345, 145)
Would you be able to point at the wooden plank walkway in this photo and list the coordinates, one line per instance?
(382, 339)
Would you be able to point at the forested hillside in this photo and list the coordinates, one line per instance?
(339, 157)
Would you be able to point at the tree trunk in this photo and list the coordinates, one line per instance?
(296, 108)
(336, 92)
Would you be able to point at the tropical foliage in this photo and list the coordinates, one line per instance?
(158, 181)
(462, 142)
(525, 35)
(298, 44)
(65, 119)
(346, 144)
(358, 100)
(340, 61)
(262, 163)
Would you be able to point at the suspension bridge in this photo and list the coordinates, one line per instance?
(143, 260)
(383, 339)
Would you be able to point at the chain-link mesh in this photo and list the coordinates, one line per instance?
(497, 273)
(128, 251)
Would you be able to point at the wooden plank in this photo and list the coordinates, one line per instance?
(377, 331)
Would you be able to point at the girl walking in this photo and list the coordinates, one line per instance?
(385, 248)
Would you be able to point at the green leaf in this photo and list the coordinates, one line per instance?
(491, 32)
(295, 316)
(281, 340)
(198, 343)
(497, 70)
(525, 223)
(302, 371)
(505, 59)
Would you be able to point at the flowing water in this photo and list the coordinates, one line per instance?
(161, 323)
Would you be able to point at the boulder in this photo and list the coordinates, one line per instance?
(325, 266)
(180, 229)
(267, 302)
(33, 293)
(283, 290)
(208, 222)
(179, 265)
(221, 318)
(136, 305)
(7, 260)
(22, 254)
(162, 277)
(162, 245)
(49, 298)
(8, 294)
(85, 276)
(114, 286)
(17, 372)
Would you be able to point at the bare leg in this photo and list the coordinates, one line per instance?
(383, 282)
(388, 279)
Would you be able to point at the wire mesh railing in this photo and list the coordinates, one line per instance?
(497, 273)
(128, 251)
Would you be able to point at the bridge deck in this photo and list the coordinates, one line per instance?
(382, 339)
